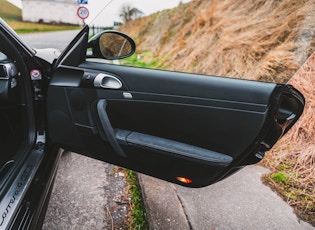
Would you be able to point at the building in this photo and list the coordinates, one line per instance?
(51, 11)
(136, 13)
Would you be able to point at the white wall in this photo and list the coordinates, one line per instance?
(50, 12)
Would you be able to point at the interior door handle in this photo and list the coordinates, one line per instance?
(107, 81)
(107, 128)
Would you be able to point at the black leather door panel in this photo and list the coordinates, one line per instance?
(165, 124)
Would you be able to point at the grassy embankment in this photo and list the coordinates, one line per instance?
(257, 40)
(13, 16)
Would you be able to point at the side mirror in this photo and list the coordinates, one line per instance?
(111, 45)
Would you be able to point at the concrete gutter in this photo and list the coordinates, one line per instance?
(238, 202)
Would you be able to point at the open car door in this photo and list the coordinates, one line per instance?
(188, 129)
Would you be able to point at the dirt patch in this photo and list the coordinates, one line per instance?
(118, 205)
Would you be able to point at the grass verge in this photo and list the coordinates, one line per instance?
(9, 11)
(143, 61)
(28, 27)
(299, 196)
(137, 215)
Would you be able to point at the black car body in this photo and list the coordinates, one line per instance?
(189, 129)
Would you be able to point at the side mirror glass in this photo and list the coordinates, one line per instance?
(111, 45)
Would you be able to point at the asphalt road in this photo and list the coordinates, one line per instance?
(87, 194)
(58, 40)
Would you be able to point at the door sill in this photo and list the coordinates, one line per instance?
(14, 196)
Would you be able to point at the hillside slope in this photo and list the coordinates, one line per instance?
(9, 12)
(262, 39)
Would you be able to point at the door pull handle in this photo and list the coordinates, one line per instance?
(107, 128)
(107, 81)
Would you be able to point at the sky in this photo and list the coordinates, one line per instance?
(111, 12)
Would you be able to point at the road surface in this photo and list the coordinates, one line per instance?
(58, 40)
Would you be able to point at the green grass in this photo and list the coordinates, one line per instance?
(138, 215)
(134, 61)
(279, 176)
(301, 196)
(28, 27)
(9, 11)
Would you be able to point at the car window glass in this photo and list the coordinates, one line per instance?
(3, 57)
(255, 40)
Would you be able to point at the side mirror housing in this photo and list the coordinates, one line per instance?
(111, 45)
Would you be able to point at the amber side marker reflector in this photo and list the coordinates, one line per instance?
(184, 180)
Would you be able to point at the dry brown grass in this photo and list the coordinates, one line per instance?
(256, 40)
(263, 40)
(303, 132)
(294, 154)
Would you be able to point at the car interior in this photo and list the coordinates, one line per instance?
(11, 113)
(15, 114)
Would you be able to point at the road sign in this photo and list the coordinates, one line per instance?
(36, 74)
(83, 2)
(83, 12)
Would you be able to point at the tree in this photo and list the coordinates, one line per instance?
(127, 12)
